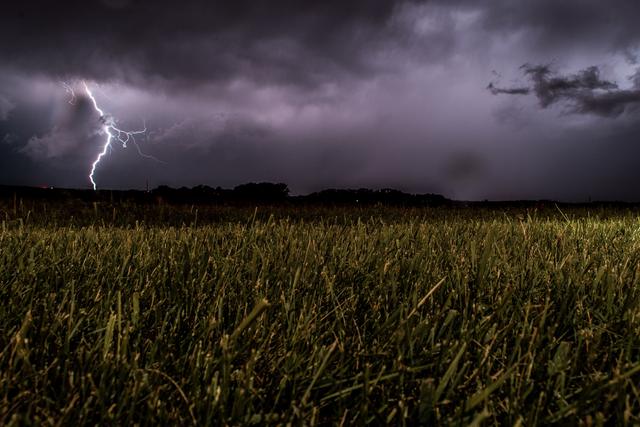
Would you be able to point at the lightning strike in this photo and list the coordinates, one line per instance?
(112, 132)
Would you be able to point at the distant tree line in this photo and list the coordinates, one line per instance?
(264, 193)
(250, 193)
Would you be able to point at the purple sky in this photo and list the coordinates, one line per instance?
(429, 96)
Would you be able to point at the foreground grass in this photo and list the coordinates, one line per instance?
(269, 321)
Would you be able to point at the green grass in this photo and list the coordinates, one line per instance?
(424, 317)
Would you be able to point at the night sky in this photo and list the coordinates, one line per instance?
(502, 99)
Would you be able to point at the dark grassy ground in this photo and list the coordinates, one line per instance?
(161, 314)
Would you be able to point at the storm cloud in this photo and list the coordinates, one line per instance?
(197, 42)
(327, 93)
(585, 92)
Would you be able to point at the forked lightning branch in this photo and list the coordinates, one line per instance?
(111, 131)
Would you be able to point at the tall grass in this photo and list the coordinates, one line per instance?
(441, 320)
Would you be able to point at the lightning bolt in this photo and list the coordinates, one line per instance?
(112, 132)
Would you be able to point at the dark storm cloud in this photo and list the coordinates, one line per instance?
(586, 92)
(190, 42)
(552, 26)
(550, 88)
(281, 41)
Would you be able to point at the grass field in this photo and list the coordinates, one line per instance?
(430, 316)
